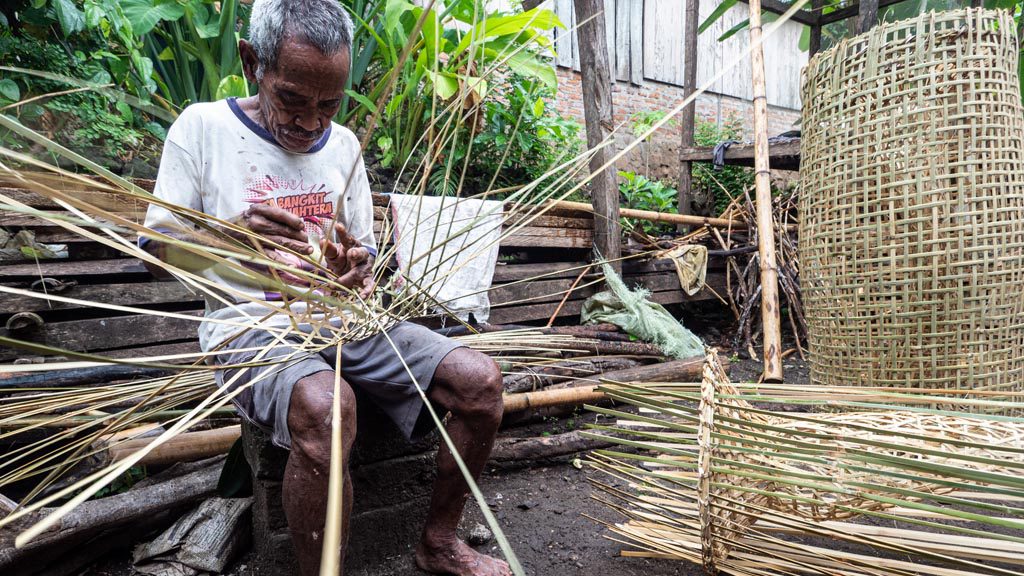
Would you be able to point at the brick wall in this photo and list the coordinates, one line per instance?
(662, 152)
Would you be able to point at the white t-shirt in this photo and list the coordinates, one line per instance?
(218, 161)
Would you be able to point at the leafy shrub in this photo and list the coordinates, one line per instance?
(85, 121)
(523, 137)
(640, 193)
(713, 190)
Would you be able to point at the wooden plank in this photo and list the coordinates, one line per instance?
(124, 294)
(784, 156)
(777, 7)
(524, 313)
(554, 290)
(575, 38)
(850, 11)
(563, 38)
(104, 333)
(623, 48)
(513, 272)
(609, 28)
(663, 46)
(88, 270)
(550, 238)
(636, 41)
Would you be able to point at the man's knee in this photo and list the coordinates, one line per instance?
(474, 384)
(309, 418)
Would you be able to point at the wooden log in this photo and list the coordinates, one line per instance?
(771, 323)
(673, 371)
(530, 379)
(114, 512)
(77, 376)
(182, 448)
(597, 111)
(527, 449)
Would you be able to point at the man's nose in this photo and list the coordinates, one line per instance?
(308, 121)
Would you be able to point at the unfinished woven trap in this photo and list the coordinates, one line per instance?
(806, 480)
(912, 207)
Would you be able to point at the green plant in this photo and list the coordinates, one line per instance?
(522, 138)
(445, 77)
(715, 189)
(642, 121)
(194, 46)
(85, 120)
(641, 193)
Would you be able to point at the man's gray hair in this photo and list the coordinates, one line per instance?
(323, 23)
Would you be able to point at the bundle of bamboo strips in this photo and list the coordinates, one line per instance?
(759, 479)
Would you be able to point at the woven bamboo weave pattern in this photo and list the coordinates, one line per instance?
(744, 486)
(912, 208)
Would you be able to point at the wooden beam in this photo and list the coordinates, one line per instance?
(784, 156)
(815, 43)
(689, 116)
(777, 7)
(867, 15)
(850, 11)
(770, 315)
(597, 111)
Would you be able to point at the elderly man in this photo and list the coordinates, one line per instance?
(276, 164)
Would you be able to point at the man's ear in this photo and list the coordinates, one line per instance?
(249, 61)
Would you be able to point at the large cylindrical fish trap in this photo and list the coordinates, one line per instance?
(912, 206)
(803, 480)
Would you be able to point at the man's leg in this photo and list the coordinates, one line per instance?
(468, 384)
(308, 468)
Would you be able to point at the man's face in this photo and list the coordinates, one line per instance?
(300, 96)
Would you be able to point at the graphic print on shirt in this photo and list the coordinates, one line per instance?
(311, 202)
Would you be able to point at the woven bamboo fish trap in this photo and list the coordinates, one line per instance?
(912, 207)
(761, 480)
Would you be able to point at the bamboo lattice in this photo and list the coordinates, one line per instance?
(912, 208)
(754, 480)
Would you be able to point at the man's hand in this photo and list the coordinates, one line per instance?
(349, 260)
(277, 225)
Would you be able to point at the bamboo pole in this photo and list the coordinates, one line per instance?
(181, 448)
(547, 398)
(766, 233)
(653, 216)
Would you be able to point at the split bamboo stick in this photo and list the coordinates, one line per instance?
(771, 323)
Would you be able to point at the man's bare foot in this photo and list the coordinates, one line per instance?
(456, 557)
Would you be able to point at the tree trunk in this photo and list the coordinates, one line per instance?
(597, 110)
(765, 221)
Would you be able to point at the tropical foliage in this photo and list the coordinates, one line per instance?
(641, 193)
(715, 189)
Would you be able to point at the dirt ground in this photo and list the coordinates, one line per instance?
(543, 511)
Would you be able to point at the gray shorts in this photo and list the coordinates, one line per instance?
(370, 365)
